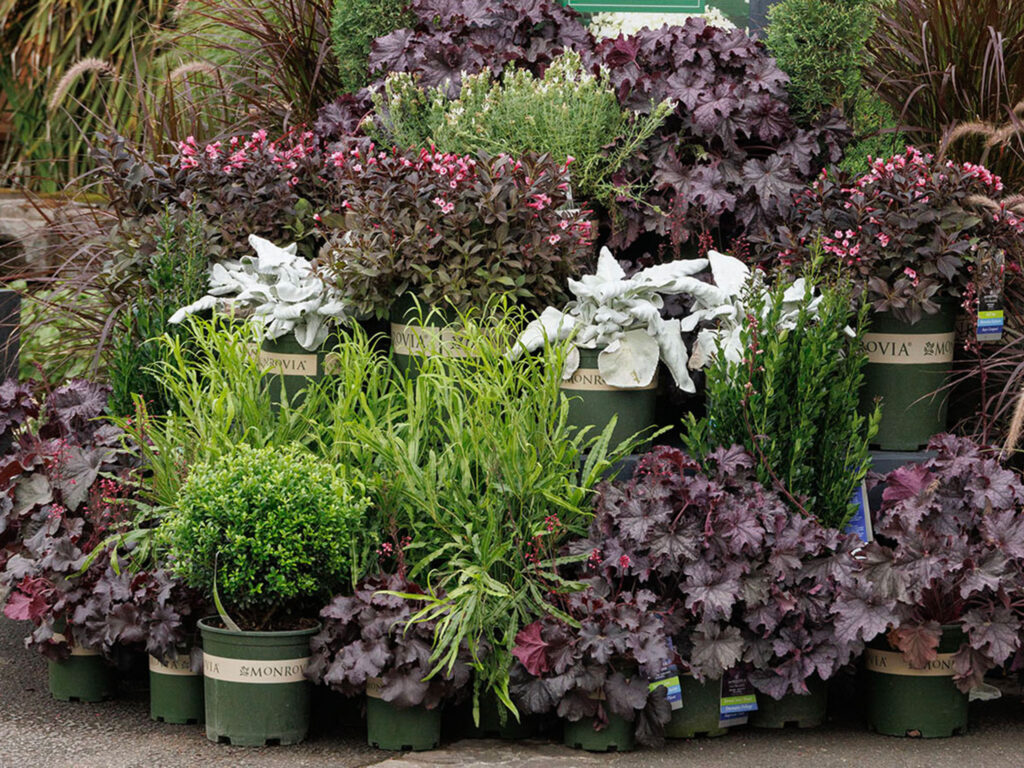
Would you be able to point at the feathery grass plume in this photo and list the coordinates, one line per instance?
(1016, 423)
(190, 67)
(80, 68)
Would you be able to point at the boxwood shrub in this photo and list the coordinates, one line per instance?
(271, 530)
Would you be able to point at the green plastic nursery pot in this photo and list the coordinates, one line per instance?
(907, 365)
(83, 676)
(255, 686)
(803, 711)
(175, 691)
(902, 701)
(294, 366)
(700, 714)
(419, 331)
(617, 736)
(593, 402)
(401, 729)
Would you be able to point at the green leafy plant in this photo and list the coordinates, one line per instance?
(820, 45)
(267, 532)
(479, 468)
(219, 396)
(354, 26)
(792, 399)
(166, 266)
(568, 113)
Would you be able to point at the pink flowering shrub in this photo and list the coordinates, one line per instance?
(252, 185)
(451, 228)
(908, 229)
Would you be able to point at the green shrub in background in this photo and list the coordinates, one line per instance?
(793, 400)
(165, 263)
(568, 112)
(875, 133)
(820, 45)
(268, 532)
(354, 26)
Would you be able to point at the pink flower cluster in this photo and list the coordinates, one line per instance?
(242, 151)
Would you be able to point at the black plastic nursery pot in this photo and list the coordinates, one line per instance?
(175, 691)
(593, 402)
(418, 331)
(617, 736)
(701, 712)
(907, 365)
(924, 703)
(255, 686)
(83, 676)
(294, 366)
(492, 727)
(401, 729)
(800, 710)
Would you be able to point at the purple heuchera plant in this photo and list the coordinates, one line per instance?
(732, 156)
(368, 636)
(599, 668)
(950, 551)
(741, 579)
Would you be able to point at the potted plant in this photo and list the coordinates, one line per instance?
(367, 645)
(282, 291)
(766, 349)
(155, 612)
(448, 232)
(592, 666)
(267, 533)
(746, 584)
(938, 595)
(66, 488)
(618, 337)
(908, 231)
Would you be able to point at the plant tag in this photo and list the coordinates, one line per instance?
(738, 696)
(860, 523)
(668, 678)
(989, 282)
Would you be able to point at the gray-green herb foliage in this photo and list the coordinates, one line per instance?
(354, 26)
(479, 466)
(267, 531)
(820, 45)
(568, 112)
(168, 262)
(793, 401)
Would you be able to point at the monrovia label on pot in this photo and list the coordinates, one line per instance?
(76, 650)
(181, 666)
(255, 670)
(903, 349)
(289, 365)
(426, 340)
(893, 663)
(590, 380)
(373, 685)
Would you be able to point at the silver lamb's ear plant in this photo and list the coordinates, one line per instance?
(623, 316)
(277, 287)
(725, 308)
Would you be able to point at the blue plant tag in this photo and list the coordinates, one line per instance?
(860, 523)
(668, 678)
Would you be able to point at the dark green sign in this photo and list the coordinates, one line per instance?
(638, 6)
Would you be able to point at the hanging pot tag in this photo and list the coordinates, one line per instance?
(668, 678)
(737, 699)
(989, 282)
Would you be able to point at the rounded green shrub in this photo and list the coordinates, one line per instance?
(820, 45)
(354, 26)
(270, 530)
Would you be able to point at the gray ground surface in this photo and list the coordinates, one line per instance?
(37, 732)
